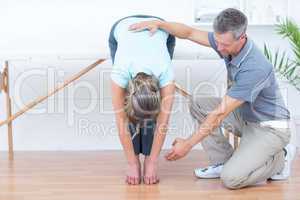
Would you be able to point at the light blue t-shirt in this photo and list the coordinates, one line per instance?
(141, 52)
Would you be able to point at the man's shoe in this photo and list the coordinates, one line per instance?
(213, 171)
(290, 151)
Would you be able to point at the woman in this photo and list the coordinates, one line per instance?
(143, 89)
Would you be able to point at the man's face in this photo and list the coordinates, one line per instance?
(227, 44)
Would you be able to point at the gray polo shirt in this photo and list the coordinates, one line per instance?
(251, 78)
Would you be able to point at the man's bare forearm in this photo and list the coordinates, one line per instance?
(214, 119)
(177, 29)
(185, 32)
(211, 122)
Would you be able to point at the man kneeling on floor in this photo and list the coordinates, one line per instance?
(253, 108)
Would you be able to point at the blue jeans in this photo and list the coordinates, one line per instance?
(142, 141)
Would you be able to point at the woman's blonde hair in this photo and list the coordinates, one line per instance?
(143, 98)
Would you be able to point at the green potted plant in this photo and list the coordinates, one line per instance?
(287, 68)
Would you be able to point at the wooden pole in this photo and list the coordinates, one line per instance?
(55, 90)
(1, 81)
(8, 110)
(236, 142)
(226, 134)
(182, 91)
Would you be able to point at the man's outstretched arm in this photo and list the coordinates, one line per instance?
(213, 120)
(177, 29)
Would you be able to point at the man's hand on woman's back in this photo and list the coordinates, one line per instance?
(152, 26)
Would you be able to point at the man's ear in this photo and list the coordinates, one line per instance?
(243, 36)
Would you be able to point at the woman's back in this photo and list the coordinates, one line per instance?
(140, 52)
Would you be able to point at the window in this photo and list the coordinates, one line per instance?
(266, 12)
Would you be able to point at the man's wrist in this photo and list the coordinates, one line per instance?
(190, 143)
(159, 23)
(196, 138)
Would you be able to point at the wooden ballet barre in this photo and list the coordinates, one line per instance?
(55, 90)
(1, 81)
(184, 93)
(4, 86)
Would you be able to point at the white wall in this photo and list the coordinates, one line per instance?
(57, 38)
(73, 26)
(32, 28)
(81, 116)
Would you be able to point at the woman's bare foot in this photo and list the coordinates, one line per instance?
(150, 171)
(133, 174)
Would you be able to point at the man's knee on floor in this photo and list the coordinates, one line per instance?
(232, 179)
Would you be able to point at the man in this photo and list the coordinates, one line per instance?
(252, 108)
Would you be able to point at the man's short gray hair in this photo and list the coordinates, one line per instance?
(231, 20)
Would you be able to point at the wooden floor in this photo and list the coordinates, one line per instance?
(100, 176)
